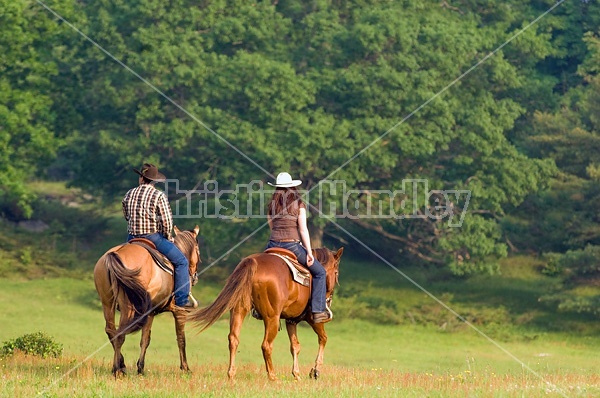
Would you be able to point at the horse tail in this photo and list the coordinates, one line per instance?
(122, 278)
(237, 293)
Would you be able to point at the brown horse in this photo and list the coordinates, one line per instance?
(128, 279)
(263, 282)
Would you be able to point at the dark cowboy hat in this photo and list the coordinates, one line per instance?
(150, 172)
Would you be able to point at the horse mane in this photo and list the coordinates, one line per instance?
(186, 242)
(323, 255)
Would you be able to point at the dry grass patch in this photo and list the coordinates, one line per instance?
(28, 376)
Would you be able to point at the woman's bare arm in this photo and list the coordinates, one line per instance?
(304, 236)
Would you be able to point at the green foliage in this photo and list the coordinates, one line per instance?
(553, 266)
(563, 220)
(475, 246)
(342, 77)
(77, 221)
(577, 263)
(304, 87)
(27, 134)
(38, 344)
(581, 269)
(77, 231)
(575, 301)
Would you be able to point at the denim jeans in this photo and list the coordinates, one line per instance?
(319, 280)
(180, 265)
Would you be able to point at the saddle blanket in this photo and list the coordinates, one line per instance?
(300, 276)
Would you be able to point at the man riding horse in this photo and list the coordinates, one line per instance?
(148, 214)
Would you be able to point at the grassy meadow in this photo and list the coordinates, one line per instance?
(389, 337)
(363, 357)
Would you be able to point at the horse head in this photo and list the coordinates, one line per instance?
(187, 242)
(331, 263)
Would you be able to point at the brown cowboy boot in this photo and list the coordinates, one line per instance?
(322, 317)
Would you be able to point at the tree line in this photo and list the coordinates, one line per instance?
(309, 86)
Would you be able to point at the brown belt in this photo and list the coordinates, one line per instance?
(286, 240)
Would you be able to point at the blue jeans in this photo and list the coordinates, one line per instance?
(180, 265)
(319, 276)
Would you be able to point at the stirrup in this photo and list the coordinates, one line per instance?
(327, 306)
(193, 301)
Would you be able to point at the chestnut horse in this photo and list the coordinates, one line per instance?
(263, 283)
(129, 280)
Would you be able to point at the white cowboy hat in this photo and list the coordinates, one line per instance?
(284, 180)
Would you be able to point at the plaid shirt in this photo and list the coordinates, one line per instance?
(147, 211)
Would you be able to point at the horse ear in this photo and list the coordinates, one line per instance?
(338, 254)
(196, 230)
(176, 230)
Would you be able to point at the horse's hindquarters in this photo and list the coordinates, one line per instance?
(274, 292)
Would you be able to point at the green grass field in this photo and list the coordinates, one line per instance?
(389, 336)
(362, 358)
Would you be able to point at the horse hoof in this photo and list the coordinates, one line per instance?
(314, 374)
(119, 373)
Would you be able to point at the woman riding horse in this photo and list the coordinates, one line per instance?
(263, 282)
(287, 219)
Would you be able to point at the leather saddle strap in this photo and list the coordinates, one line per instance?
(158, 258)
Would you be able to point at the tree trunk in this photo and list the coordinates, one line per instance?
(316, 235)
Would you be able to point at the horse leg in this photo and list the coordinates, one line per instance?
(271, 328)
(235, 326)
(127, 314)
(319, 329)
(180, 318)
(294, 348)
(144, 343)
(118, 368)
